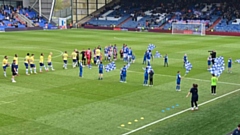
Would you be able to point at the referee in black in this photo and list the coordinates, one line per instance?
(151, 73)
(194, 92)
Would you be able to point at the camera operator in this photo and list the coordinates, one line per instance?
(213, 55)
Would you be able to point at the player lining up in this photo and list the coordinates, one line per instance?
(5, 65)
(16, 62)
(65, 58)
(74, 59)
(27, 62)
(32, 65)
(14, 70)
(50, 61)
(41, 63)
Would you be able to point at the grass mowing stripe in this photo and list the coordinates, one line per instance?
(191, 78)
(178, 113)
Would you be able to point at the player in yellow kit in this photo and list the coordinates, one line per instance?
(16, 62)
(74, 59)
(26, 62)
(65, 58)
(50, 61)
(32, 65)
(5, 65)
(41, 63)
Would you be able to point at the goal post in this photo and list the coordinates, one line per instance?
(188, 28)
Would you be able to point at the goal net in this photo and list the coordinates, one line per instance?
(188, 28)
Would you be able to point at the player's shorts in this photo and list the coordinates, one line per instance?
(14, 73)
(148, 60)
(229, 65)
(125, 55)
(41, 64)
(178, 82)
(5, 67)
(65, 61)
(98, 57)
(100, 71)
(129, 56)
(49, 63)
(209, 63)
(74, 60)
(26, 65)
(32, 65)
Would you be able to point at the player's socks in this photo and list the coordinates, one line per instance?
(4, 73)
(31, 70)
(35, 70)
(26, 71)
(40, 69)
(52, 67)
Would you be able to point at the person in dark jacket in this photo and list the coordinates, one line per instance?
(194, 92)
(151, 73)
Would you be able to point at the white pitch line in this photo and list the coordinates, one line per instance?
(191, 78)
(178, 113)
(7, 102)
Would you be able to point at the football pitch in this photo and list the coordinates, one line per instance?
(60, 103)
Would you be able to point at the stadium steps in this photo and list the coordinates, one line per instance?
(214, 24)
(162, 26)
(129, 18)
(96, 13)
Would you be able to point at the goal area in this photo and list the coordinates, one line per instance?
(188, 28)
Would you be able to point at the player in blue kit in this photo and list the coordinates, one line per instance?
(130, 53)
(145, 82)
(100, 71)
(230, 65)
(121, 80)
(144, 58)
(209, 61)
(106, 53)
(149, 56)
(124, 74)
(178, 81)
(166, 60)
(125, 53)
(185, 59)
(80, 69)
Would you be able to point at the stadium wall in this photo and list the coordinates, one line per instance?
(159, 31)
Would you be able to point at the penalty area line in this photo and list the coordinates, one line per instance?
(178, 113)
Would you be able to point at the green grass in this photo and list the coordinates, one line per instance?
(59, 102)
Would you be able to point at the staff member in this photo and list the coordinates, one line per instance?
(194, 92)
(151, 73)
(237, 131)
(213, 55)
(214, 80)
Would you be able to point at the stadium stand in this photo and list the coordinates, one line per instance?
(216, 15)
(12, 17)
